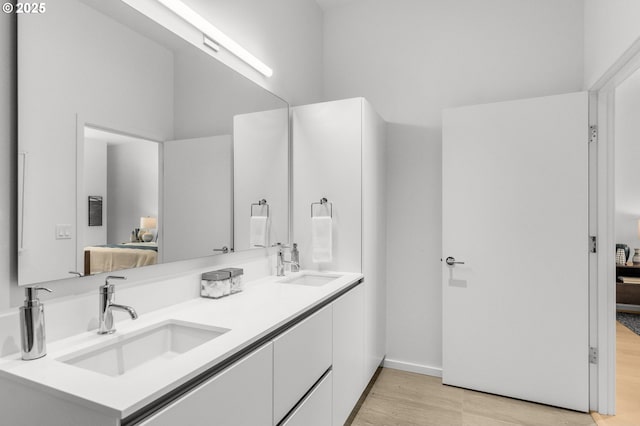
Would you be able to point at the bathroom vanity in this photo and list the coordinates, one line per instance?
(287, 350)
(294, 350)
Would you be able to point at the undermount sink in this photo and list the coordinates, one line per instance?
(311, 279)
(156, 345)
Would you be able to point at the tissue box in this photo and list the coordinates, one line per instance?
(236, 278)
(215, 284)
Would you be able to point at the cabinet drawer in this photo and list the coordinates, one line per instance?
(224, 399)
(348, 353)
(315, 409)
(301, 356)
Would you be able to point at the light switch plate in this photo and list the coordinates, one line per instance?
(63, 232)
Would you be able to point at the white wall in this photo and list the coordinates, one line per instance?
(610, 27)
(411, 59)
(285, 34)
(627, 158)
(94, 183)
(132, 187)
(209, 94)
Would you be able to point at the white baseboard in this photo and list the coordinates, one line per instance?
(412, 367)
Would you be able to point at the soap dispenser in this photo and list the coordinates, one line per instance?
(34, 344)
(295, 258)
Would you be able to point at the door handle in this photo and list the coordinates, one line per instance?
(452, 261)
(224, 249)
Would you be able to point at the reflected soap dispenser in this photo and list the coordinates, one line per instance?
(295, 258)
(34, 342)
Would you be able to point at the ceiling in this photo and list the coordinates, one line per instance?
(328, 4)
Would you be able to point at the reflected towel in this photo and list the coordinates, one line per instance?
(259, 228)
(321, 241)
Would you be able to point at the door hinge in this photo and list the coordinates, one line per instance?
(593, 134)
(593, 244)
(593, 355)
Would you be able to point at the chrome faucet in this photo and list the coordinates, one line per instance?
(282, 262)
(107, 297)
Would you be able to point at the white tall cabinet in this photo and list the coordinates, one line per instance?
(339, 153)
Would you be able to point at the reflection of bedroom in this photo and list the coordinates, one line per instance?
(122, 172)
(221, 144)
(627, 233)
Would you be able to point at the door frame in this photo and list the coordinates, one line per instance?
(602, 220)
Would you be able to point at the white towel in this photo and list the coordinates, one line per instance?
(321, 241)
(259, 230)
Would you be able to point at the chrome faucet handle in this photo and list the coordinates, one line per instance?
(76, 273)
(113, 277)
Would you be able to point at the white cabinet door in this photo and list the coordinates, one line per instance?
(241, 395)
(260, 170)
(515, 210)
(301, 356)
(327, 162)
(348, 353)
(315, 409)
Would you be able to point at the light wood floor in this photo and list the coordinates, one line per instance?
(627, 380)
(398, 398)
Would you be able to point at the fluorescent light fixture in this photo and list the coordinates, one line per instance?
(193, 18)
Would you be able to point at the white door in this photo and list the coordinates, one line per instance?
(515, 194)
(198, 197)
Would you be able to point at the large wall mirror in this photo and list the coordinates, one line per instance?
(137, 148)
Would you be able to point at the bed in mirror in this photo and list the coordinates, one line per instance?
(137, 147)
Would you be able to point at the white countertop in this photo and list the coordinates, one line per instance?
(261, 308)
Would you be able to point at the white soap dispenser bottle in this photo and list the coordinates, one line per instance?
(34, 342)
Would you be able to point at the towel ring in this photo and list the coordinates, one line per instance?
(260, 203)
(323, 202)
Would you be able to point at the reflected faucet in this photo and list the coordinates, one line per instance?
(107, 297)
(282, 262)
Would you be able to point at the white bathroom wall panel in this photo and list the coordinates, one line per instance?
(260, 171)
(610, 28)
(55, 86)
(339, 153)
(94, 183)
(197, 197)
(327, 162)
